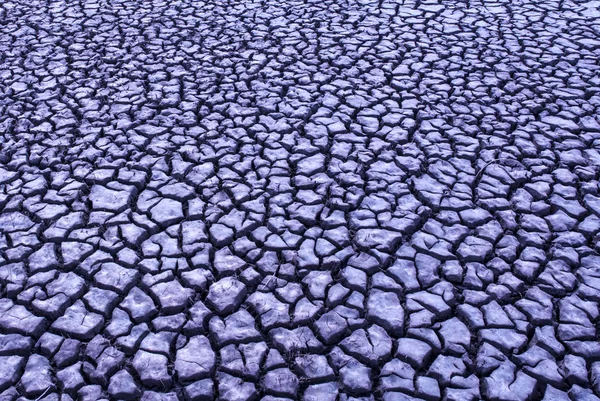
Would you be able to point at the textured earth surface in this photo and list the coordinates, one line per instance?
(318, 200)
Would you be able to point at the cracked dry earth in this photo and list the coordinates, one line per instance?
(316, 200)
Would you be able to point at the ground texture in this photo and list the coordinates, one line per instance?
(319, 200)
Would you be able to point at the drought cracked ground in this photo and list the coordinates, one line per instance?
(317, 200)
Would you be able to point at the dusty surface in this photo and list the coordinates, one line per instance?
(318, 200)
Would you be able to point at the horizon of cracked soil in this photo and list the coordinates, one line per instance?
(315, 200)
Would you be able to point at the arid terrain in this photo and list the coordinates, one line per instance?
(313, 200)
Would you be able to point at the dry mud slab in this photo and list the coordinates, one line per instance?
(316, 200)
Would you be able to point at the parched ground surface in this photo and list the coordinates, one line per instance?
(317, 200)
